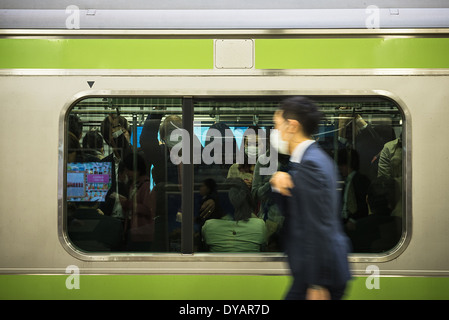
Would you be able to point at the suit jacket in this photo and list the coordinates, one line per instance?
(314, 241)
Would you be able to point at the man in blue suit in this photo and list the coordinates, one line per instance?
(314, 241)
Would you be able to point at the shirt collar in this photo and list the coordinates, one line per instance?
(298, 153)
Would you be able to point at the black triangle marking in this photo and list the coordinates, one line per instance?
(90, 83)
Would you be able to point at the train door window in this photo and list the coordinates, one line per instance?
(364, 136)
(124, 185)
(122, 190)
(234, 209)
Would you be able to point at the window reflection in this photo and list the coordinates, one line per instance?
(135, 208)
(358, 133)
(123, 187)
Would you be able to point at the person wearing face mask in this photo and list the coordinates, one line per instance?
(158, 140)
(115, 131)
(261, 192)
(245, 169)
(156, 150)
(307, 195)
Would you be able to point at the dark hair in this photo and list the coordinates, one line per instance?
(225, 138)
(240, 197)
(73, 146)
(106, 127)
(73, 143)
(251, 130)
(93, 140)
(246, 166)
(304, 110)
(75, 125)
(210, 184)
(128, 162)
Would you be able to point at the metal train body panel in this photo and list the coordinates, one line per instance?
(36, 99)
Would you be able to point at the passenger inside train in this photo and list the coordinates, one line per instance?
(131, 140)
(242, 233)
(379, 231)
(138, 206)
(93, 146)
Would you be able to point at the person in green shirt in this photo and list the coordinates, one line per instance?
(246, 233)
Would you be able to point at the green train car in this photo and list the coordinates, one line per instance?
(380, 75)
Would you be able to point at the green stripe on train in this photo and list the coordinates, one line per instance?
(352, 53)
(203, 287)
(106, 53)
(199, 53)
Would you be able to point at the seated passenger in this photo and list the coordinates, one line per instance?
(246, 233)
(379, 231)
(208, 191)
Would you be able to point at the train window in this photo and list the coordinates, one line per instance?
(126, 157)
(234, 208)
(122, 189)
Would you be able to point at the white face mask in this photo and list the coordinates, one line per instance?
(251, 151)
(278, 143)
(117, 133)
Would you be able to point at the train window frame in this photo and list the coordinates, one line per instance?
(187, 254)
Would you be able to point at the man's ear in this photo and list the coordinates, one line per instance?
(293, 126)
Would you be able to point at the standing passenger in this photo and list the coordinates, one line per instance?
(390, 167)
(93, 146)
(245, 169)
(138, 205)
(314, 241)
(115, 131)
(75, 153)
